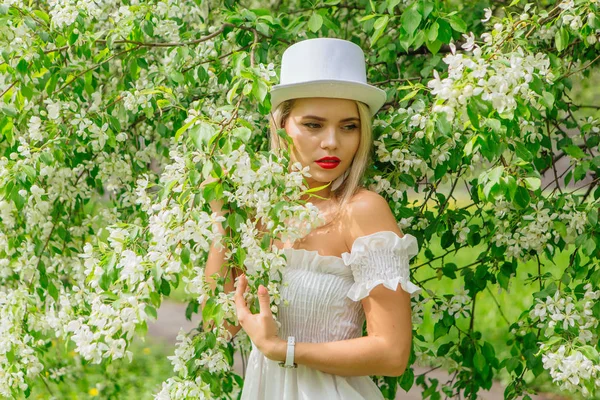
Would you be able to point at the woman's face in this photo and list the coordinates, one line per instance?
(326, 135)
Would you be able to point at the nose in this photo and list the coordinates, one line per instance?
(330, 138)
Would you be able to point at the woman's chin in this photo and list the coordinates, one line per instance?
(320, 178)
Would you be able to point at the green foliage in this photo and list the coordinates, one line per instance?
(121, 125)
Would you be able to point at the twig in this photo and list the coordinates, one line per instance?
(254, 43)
(458, 269)
(443, 207)
(57, 49)
(398, 80)
(437, 258)
(325, 6)
(553, 164)
(47, 386)
(93, 68)
(431, 370)
(472, 321)
(174, 44)
(215, 59)
(539, 268)
(10, 87)
(498, 305)
(582, 68)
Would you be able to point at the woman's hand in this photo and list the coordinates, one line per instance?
(261, 327)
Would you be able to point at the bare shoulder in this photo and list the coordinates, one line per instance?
(367, 201)
(368, 212)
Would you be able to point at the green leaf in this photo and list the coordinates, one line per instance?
(468, 150)
(151, 311)
(589, 246)
(449, 270)
(596, 310)
(410, 20)
(574, 151)
(523, 152)
(593, 216)
(494, 124)
(212, 311)
(315, 22)
(391, 5)
(367, 17)
(410, 95)
(561, 228)
(405, 40)
(9, 110)
(561, 39)
(496, 173)
(165, 288)
(263, 28)
(183, 129)
(458, 24)
(260, 89)
(532, 183)
(232, 92)
(479, 362)
(42, 15)
(191, 309)
(547, 100)
(444, 31)
(432, 32)
(511, 187)
(242, 133)
(407, 379)
(439, 330)
(185, 255)
(379, 26)
(201, 134)
(522, 198)
(433, 47)
(22, 66)
(443, 125)
(148, 28)
(447, 239)
(425, 8)
(419, 39)
(177, 76)
(473, 114)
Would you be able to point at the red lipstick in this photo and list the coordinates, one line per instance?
(328, 162)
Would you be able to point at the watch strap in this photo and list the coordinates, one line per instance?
(289, 356)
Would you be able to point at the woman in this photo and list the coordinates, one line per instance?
(355, 267)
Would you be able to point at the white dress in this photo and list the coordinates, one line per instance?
(324, 294)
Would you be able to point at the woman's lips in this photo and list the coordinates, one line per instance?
(328, 164)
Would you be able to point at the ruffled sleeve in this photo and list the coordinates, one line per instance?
(381, 258)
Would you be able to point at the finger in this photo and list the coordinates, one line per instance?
(264, 300)
(240, 302)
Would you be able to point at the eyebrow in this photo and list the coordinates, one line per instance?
(325, 119)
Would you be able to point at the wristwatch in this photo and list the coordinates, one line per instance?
(289, 356)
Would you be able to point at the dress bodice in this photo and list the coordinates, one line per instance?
(323, 293)
(317, 309)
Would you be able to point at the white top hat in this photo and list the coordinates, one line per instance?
(325, 67)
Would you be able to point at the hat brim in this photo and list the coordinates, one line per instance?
(368, 94)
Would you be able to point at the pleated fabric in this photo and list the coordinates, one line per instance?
(323, 296)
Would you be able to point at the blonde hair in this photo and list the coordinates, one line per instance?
(355, 173)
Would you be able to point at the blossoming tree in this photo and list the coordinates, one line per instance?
(112, 114)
